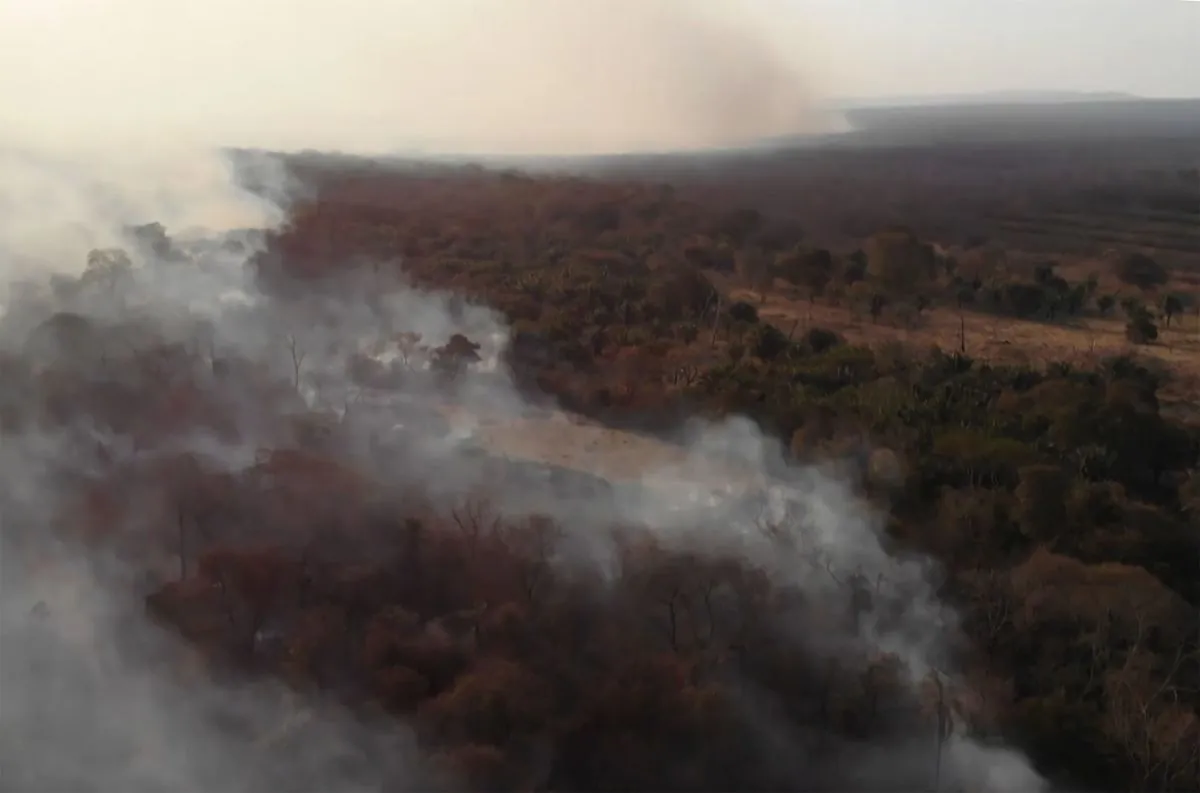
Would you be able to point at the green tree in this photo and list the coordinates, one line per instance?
(753, 268)
(743, 312)
(769, 342)
(1042, 501)
(899, 263)
(1141, 328)
(1132, 306)
(455, 355)
(1138, 269)
(1172, 305)
(812, 271)
(878, 303)
(680, 292)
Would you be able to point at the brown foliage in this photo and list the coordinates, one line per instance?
(473, 627)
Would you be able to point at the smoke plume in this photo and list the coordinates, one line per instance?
(116, 112)
(85, 675)
(477, 76)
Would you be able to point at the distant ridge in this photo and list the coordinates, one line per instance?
(1003, 118)
(985, 98)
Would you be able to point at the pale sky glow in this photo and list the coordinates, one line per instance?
(1145, 47)
(547, 74)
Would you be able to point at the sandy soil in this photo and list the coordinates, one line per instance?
(1003, 339)
(560, 439)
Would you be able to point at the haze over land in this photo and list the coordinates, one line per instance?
(499, 76)
(297, 489)
(363, 75)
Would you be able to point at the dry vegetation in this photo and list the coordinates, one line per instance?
(1029, 456)
(600, 282)
(1004, 340)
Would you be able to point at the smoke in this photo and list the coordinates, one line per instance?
(58, 205)
(113, 112)
(116, 111)
(94, 699)
(462, 76)
(93, 678)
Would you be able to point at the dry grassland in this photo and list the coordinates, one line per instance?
(997, 339)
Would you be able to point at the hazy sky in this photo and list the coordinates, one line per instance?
(895, 47)
(546, 74)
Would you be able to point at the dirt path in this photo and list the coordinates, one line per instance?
(1000, 339)
(568, 441)
(562, 439)
(557, 438)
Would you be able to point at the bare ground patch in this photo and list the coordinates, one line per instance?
(1008, 340)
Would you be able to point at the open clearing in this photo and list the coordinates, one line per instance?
(996, 339)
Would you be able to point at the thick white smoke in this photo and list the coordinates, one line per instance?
(111, 116)
(728, 490)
